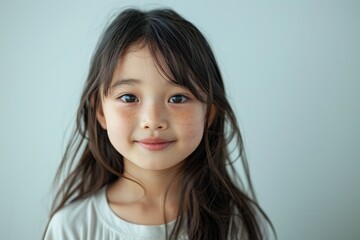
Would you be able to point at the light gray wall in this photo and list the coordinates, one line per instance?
(293, 73)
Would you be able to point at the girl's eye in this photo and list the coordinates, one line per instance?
(178, 99)
(128, 98)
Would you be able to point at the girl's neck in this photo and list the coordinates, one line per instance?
(146, 196)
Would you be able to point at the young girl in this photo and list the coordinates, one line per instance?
(150, 156)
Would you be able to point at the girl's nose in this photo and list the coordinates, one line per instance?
(154, 117)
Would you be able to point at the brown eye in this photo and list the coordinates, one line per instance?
(128, 98)
(178, 99)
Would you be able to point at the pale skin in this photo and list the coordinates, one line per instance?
(154, 125)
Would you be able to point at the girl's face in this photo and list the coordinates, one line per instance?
(153, 123)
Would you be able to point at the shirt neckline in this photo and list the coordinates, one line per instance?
(122, 226)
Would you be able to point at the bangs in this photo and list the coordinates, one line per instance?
(173, 65)
(175, 49)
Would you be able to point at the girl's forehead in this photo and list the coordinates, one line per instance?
(142, 51)
(131, 62)
(134, 56)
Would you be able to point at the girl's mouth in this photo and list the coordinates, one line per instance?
(154, 144)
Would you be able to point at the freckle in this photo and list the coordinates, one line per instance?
(127, 114)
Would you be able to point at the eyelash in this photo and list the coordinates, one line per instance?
(126, 97)
(184, 98)
(123, 98)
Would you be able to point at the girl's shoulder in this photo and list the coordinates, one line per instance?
(75, 220)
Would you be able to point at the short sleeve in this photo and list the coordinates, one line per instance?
(58, 228)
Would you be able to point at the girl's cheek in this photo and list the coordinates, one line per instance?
(189, 117)
(193, 133)
(119, 117)
(126, 112)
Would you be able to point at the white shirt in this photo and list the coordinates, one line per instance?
(92, 218)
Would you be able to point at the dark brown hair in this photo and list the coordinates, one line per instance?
(214, 204)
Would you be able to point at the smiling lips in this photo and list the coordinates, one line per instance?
(154, 144)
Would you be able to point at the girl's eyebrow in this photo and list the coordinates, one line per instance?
(128, 81)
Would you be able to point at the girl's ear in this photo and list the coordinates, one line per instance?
(100, 117)
(212, 115)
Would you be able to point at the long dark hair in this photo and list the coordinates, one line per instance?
(213, 205)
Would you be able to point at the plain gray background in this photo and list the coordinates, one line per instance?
(292, 69)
